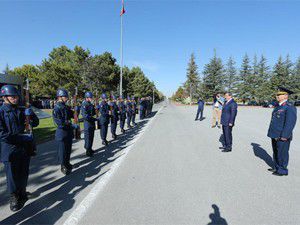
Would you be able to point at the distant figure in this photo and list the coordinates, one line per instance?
(283, 121)
(200, 109)
(217, 110)
(216, 217)
(229, 112)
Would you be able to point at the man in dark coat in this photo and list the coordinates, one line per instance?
(228, 116)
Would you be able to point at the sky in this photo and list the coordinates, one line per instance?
(159, 35)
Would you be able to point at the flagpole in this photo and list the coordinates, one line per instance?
(121, 56)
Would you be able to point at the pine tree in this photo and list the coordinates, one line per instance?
(279, 75)
(295, 79)
(231, 76)
(263, 92)
(245, 77)
(192, 76)
(213, 80)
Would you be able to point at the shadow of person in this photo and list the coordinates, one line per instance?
(203, 118)
(57, 196)
(215, 217)
(262, 154)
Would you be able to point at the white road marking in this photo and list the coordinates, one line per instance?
(86, 203)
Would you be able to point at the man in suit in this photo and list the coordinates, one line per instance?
(283, 121)
(200, 109)
(227, 120)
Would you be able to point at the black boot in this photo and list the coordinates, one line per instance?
(65, 170)
(14, 202)
(114, 136)
(123, 131)
(89, 152)
(23, 197)
(105, 142)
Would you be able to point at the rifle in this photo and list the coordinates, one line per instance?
(97, 111)
(30, 146)
(76, 131)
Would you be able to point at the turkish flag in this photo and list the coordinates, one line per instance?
(123, 8)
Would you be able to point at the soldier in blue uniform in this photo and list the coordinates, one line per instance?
(134, 108)
(200, 109)
(122, 113)
(104, 118)
(114, 117)
(62, 115)
(88, 113)
(283, 121)
(129, 111)
(142, 108)
(14, 145)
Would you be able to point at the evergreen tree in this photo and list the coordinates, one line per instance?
(295, 79)
(245, 77)
(279, 76)
(213, 80)
(192, 75)
(263, 92)
(231, 76)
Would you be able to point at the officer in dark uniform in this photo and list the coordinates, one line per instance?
(104, 119)
(283, 121)
(134, 108)
(129, 112)
(114, 117)
(14, 143)
(147, 105)
(122, 113)
(200, 109)
(62, 115)
(142, 108)
(88, 112)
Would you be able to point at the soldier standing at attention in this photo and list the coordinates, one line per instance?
(129, 112)
(62, 115)
(122, 113)
(88, 112)
(142, 108)
(14, 143)
(114, 117)
(283, 121)
(104, 119)
(135, 110)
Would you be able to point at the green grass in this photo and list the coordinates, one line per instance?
(45, 131)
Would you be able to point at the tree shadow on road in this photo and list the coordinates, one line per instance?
(215, 217)
(262, 154)
(57, 196)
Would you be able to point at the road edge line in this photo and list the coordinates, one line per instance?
(79, 212)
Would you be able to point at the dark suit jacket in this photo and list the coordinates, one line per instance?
(229, 112)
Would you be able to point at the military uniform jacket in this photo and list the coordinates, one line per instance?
(12, 125)
(88, 112)
(129, 108)
(62, 115)
(134, 106)
(114, 112)
(283, 121)
(122, 110)
(104, 112)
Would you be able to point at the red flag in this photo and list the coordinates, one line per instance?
(123, 9)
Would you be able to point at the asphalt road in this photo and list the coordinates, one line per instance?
(169, 171)
(177, 175)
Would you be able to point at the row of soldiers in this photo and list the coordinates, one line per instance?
(17, 144)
